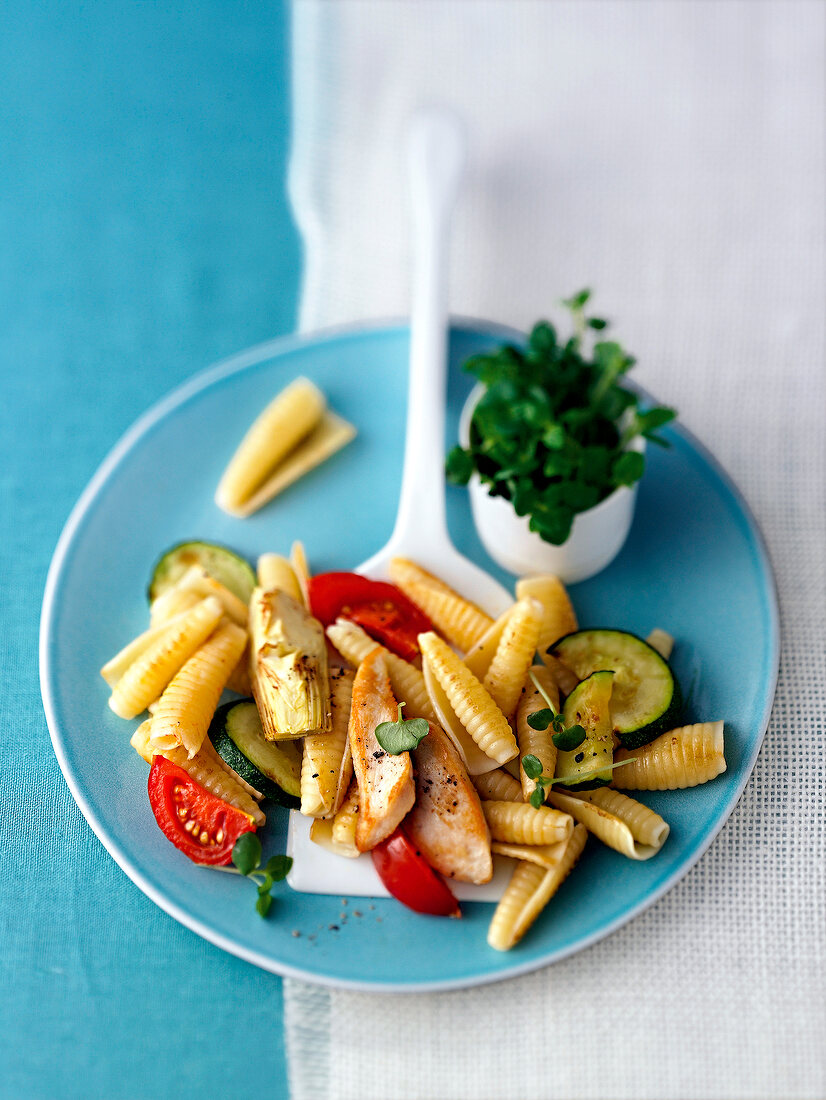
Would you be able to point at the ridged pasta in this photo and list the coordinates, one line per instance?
(282, 425)
(480, 655)
(544, 855)
(662, 642)
(623, 824)
(476, 762)
(326, 766)
(459, 620)
(514, 655)
(519, 823)
(187, 705)
(115, 668)
(196, 580)
(146, 678)
(498, 786)
(321, 833)
(205, 767)
(533, 742)
(276, 572)
(471, 703)
(344, 823)
(355, 645)
(684, 757)
(301, 568)
(530, 889)
(558, 615)
(329, 435)
(565, 680)
(239, 679)
(172, 603)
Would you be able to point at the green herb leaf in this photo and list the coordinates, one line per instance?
(402, 735)
(540, 720)
(532, 766)
(570, 738)
(246, 853)
(596, 323)
(459, 465)
(278, 867)
(628, 468)
(537, 797)
(263, 904)
(577, 301)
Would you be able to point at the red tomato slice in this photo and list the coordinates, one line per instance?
(410, 878)
(379, 608)
(198, 823)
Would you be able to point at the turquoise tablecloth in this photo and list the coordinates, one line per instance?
(144, 233)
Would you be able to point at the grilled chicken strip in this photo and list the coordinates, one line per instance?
(447, 823)
(385, 782)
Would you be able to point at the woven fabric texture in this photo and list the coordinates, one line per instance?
(672, 156)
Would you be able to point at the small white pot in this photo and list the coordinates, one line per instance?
(597, 536)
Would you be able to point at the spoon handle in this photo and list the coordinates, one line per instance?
(435, 160)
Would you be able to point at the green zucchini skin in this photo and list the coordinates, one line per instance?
(220, 562)
(588, 705)
(226, 747)
(647, 699)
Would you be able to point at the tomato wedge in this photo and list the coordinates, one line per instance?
(198, 823)
(410, 878)
(378, 607)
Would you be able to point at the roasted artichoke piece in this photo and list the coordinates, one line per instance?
(288, 667)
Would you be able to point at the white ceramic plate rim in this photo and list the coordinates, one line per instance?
(223, 369)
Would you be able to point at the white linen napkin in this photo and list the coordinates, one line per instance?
(671, 155)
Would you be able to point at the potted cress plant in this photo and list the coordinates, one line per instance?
(552, 448)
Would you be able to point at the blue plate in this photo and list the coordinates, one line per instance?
(694, 564)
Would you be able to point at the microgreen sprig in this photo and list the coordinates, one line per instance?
(565, 738)
(552, 429)
(403, 734)
(246, 857)
(532, 766)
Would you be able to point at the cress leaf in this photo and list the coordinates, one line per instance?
(459, 465)
(628, 468)
(278, 867)
(246, 853)
(537, 797)
(570, 738)
(540, 720)
(402, 735)
(532, 766)
(262, 904)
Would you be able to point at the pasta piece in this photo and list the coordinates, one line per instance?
(514, 655)
(684, 757)
(355, 645)
(207, 768)
(199, 582)
(301, 568)
(623, 824)
(559, 617)
(533, 742)
(330, 434)
(115, 668)
(239, 679)
(544, 855)
(662, 642)
(187, 705)
(480, 655)
(146, 678)
(460, 621)
(566, 680)
(326, 766)
(170, 604)
(288, 419)
(471, 703)
(321, 833)
(529, 891)
(345, 821)
(498, 786)
(276, 572)
(476, 761)
(519, 823)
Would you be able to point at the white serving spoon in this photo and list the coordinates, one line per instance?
(436, 157)
(436, 153)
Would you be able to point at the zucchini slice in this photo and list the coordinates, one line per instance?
(275, 770)
(589, 706)
(221, 563)
(646, 699)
